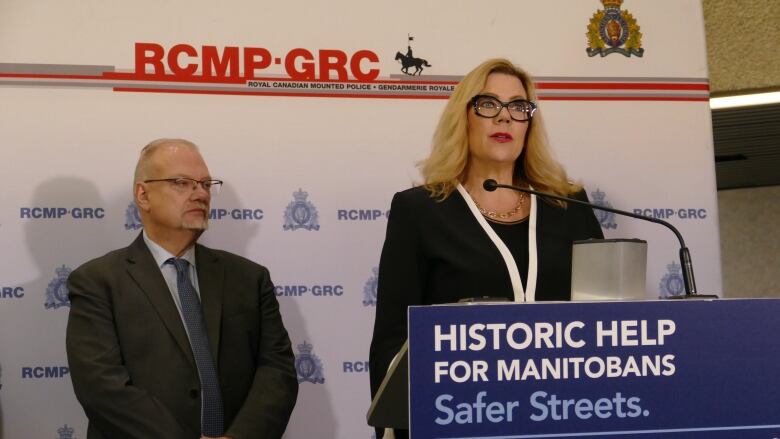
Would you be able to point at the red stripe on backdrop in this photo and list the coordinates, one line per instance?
(620, 86)
(107, 76)
(242, 80)
(260, 93)
(400, 96)
(205, 80)
(624, 98)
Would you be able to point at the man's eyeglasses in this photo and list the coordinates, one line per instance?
(184, 184)
(520, 110)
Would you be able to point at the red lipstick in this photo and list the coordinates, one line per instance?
(501, 137)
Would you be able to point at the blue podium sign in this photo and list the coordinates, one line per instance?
(708, 369)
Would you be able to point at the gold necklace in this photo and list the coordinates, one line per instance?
(502, 216)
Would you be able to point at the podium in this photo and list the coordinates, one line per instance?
(692, 369)
(390, 406)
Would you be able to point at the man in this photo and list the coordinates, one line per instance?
(169, 339)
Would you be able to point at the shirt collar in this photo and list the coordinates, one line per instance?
(162, 255)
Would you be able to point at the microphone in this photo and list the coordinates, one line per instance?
(491, 185)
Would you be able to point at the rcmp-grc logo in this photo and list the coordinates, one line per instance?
(300, 214)
(132, 217)
(369, 290)
(308, 366)
(614, 31)
(57, 291)
(606, 219)
(66, 432)
(672, 284)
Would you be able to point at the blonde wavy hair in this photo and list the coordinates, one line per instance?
(446, 166)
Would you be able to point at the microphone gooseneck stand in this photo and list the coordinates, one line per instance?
(686, 263)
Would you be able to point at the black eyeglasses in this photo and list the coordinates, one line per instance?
(184, 184)
(520, 110)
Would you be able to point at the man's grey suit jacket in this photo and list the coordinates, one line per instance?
(130, 359)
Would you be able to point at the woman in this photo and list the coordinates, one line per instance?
(450, 239)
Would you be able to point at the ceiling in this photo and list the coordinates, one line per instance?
(743, 53)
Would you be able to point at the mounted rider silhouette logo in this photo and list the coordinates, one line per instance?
(409, 60)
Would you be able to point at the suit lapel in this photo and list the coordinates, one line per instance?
(211, 275)
(145, 272)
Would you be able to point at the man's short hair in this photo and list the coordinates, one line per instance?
(147, 152)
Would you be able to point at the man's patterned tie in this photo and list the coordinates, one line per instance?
(212, 414)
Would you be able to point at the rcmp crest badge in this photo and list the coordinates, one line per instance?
(57, 291)
(308, 366)
(132, 217)
(369, 290)
(672, 284)
(66, 432)
(612, 30)
(300, 214)
(606, 219)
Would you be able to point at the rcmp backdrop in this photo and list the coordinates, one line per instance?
(313, 118)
